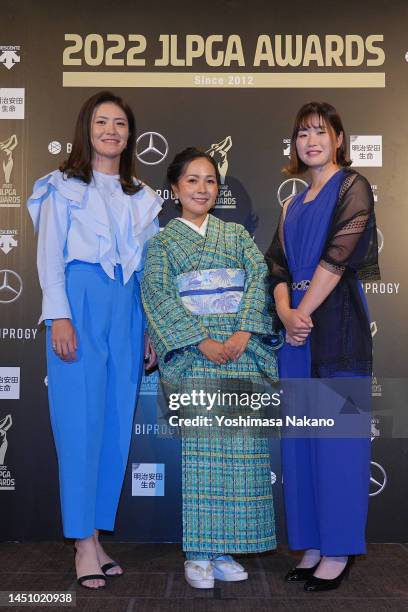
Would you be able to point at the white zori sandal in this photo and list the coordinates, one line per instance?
(199, 574)
(225, 568)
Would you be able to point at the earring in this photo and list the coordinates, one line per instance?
(176, 201)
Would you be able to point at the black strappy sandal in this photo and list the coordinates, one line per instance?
(107, 566)
(83, 579)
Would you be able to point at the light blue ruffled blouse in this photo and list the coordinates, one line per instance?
(97, 223)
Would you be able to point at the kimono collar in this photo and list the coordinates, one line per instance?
(202, 229)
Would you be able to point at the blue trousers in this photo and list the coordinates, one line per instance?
(92, 400)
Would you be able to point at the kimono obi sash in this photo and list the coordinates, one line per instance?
(214, 291)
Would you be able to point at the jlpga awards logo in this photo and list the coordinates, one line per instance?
(7, 482)
(149, 384)
(9, 198)
(219, 151)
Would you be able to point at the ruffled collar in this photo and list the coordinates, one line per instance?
(88, 209)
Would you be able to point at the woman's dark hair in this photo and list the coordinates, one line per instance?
(327, 116)
(181, 161)
(79, 163)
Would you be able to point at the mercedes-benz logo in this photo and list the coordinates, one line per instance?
(380, 238)
(151, 148)
(378, 479)
(11, 286)
(290, 188)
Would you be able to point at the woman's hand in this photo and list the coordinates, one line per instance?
(64, 339)
(236, 344)
(295, 340)
(297, 324)
(214, 351)
(150, 355)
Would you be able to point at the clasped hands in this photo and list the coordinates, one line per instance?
(298, 325)
(221, 352)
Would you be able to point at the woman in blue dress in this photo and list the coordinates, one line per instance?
(325, 242)
(94, 220)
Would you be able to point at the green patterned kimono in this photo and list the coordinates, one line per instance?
(227, 492)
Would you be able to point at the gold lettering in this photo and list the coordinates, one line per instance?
(263, 51)
(175, 61)
(194, 48)
(334, 49)
(313, 51)
(375, 50)
(234, 51)
(164, 60)
(140, 47)
(356, 42)
(212, 60)
(75, 48)
(288, 59)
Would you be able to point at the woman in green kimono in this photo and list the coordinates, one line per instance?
(205, 298)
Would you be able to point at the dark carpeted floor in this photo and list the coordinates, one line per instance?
(154, 581)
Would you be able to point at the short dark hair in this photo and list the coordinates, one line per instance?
(328, 116)
(79, 162)
(182, 159)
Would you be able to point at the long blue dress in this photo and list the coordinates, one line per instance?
(326, 481)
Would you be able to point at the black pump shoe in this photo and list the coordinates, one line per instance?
(300, 574)
(315, 584)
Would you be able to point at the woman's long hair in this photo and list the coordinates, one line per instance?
(79, 162)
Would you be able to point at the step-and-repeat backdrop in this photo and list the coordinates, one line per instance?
(227, 76)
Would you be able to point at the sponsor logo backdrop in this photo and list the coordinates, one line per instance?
(227, 77)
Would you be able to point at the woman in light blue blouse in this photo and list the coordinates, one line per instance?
(94, 220)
